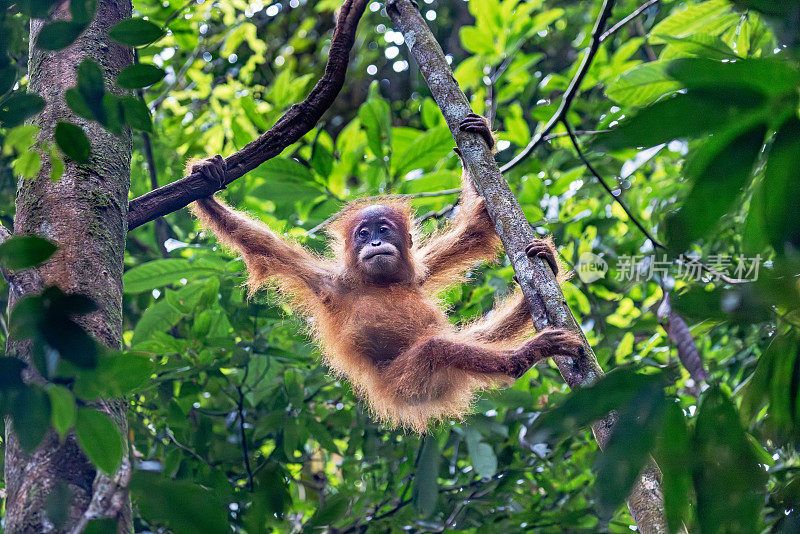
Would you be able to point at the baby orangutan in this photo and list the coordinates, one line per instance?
(373, 304)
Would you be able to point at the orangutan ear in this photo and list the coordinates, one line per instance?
(410, 240)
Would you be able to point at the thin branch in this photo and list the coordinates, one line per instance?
(616, 196)
(177, 13)
(616, 27)
(576, 132)
(429, 194)
(243, 437)
(295, 123)
(321, 225)
(186, 449)
(572, 90)
(434, 214)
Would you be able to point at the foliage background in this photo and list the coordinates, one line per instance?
(235, 422)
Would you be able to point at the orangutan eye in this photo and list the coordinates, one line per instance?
(383, 229)
(364, 232)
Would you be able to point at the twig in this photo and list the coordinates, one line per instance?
(576, 132)
(617, 197)
(616, 27)
(245, 454)
(295, 123)
(177, 13)
(433, 214)
(186, 449)
(572, 90)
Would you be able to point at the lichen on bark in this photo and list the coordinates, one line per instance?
(84, 213)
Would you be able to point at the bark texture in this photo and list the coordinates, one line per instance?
(542, 291)
(84, 214)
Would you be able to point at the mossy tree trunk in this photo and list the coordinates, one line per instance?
(84, 213)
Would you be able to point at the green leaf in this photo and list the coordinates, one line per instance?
(777, 8)
(37, 9)
(17, 107)
(584, 406)
(477, 40)
(282, 169)
(632, 438)
(82, 10)
(687, 115)
(91, 90)
(136, 113)
(376, 119)
(426, 487)
(59, 34)
(116, 375)
(57, 504)
(159, 317)
(781, 189)
(689, 20)
(136, 32)
(425, 150)
(99, 438)
(774, 381)
(699, 44)
(138, 76)
(321, 160)
(158, 273)
(767, 76)
(31, 414)
(185, 507)
(8, 76)
(483, 458)
(728, 480)
(63, 414)
(332, 510)
(24, 251)
(282, 191)
(721, 168)
(73, 142)
(77, 103)
(101, 526)
(672, 451)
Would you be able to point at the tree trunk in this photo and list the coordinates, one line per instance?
(84, 213)
(542, 292)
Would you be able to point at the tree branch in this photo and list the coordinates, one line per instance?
(616, 27)
(572, 90)
(295, 123)
(541, 290)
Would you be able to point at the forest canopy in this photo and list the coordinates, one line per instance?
(657, 142)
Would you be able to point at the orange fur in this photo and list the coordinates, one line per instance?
(427, 369)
